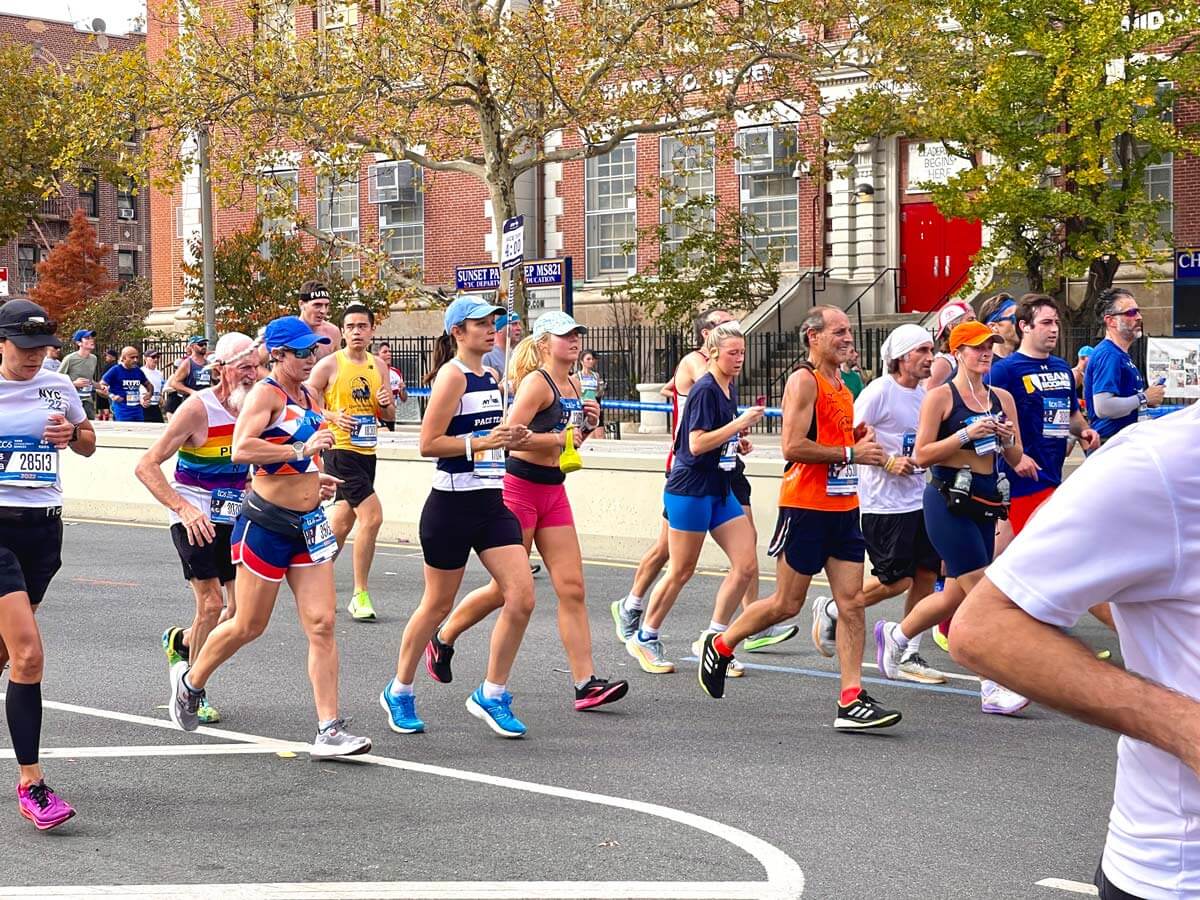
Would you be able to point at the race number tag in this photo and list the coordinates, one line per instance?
(85, 392)
(318, 536)
(572, 413)
(155, 398)
(1056, 417)
(365, 432)
(26, 461)
(226, 505)
(987, 443)
(908, 447)
(728, 456)
(133, 398)
(842, 479)
(203, 378)
(488, 463)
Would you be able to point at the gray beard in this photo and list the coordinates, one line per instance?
(237, 397)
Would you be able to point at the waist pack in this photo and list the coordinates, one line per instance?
(271, 517)
(975, 506)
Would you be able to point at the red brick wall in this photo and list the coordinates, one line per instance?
(1187, 182)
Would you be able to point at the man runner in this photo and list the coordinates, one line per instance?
(1113, 388)
(83, 368)
(205, 494)
(191, 375)
(314, 312)
(357, 391)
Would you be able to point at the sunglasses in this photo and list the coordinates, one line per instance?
(302, 352)
(32, 327)
(1131, 313)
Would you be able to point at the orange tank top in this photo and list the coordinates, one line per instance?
(820, 485)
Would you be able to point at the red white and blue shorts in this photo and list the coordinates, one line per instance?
(267, 553)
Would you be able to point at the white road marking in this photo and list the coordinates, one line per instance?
(158, 750)
(1074, 887)
(410, 890)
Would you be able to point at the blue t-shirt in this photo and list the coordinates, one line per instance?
(707, 409)
(1111, 371)
(125, 392)
(1044, 393)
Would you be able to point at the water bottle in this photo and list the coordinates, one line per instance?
(960, 489)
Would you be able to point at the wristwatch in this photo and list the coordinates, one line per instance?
(1142, 401)
(74, 434)
(298, 449)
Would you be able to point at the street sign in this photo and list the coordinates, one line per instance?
(3, 281)
(512, 251)
(1187, 293)
(548, 283)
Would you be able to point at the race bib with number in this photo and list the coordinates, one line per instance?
(85, 392)
(728, 459)
(488, 463)
(573, 412)
(133, 398)
(908, 447)
(318, 535)
(27, 461)
(226, 505)
(365, 432)
(986, 444)
(1056, 417)
(203, 378)
(841, 480)
(155, 398)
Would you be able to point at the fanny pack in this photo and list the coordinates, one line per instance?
(271, 517)
(978, 507)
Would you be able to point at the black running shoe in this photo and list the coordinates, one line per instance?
(863, 713)
(712, 667)
(437, 660)
(598, 692)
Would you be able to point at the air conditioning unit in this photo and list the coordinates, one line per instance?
(126, 213)
(393, 182)
(759, 153)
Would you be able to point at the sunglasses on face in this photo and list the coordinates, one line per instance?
(1131, 313)
(301, 352)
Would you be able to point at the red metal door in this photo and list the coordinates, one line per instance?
(963, 239)
(935, 255)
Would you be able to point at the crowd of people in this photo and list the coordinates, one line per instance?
(945, 471)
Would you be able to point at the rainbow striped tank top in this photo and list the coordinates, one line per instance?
(295, 425)
(201, 470)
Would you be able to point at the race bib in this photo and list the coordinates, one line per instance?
(155, 398)
(488, 463)
(729, 455)
(226, 505)
(1056, 417)
(987, 443)
(133, 398)
(318, 536)
(908, 447)
(842, 479)
(573, 411)
(365, 432)
(203, 378)
(26, 461)
(85, 392)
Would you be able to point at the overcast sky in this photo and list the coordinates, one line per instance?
(115, 13)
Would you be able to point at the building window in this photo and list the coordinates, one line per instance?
(610, 210)
(127, 202)
(769, 196)
(338, 13)
(398, 190)
(126, 267)
(89, 195)
(337, 215)
(278, 202)
(28, 257)
(275, 20)
(1159, 186)
(688, 172)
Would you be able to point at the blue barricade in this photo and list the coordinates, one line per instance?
(772, 412)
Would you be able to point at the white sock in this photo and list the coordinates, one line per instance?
(399, 689)
(899, 637)
(716, 627)
(914, 644)
(633, 603)
(831, 608)
(493, 691)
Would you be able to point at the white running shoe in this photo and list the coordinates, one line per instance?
(824, 627)
(914, 668)
(999, 700)
(887, 651)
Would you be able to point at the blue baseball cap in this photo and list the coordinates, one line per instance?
(197, 339)
(505, 320)
(1085, 351)
(556, 322)
(291, 332)
(468, 306)
(81, 334)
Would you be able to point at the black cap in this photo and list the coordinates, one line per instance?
(27, 325)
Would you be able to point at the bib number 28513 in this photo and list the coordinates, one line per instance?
(27, 461)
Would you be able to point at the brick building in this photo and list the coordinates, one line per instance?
(119, 213)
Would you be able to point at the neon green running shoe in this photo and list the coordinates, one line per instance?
(207, 713)
(168, 645)
(360, 607)
(776, 634)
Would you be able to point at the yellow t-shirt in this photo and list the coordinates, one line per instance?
(353, 390)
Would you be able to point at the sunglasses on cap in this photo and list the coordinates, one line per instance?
(32, 327)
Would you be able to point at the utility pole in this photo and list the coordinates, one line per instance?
(207, 262)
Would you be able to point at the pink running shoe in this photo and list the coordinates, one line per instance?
(41, 806)
(598, 692)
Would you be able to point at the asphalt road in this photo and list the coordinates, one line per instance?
(950, 804)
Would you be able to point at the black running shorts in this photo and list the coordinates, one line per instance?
(808, 537)
(898, 545)
(357, 470)
(204, 562)
(30, 551)
(453, 523)
(739, 484)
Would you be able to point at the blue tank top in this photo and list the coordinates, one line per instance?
(479, 409)
(198, 376)
(960, 416)
(295, 425)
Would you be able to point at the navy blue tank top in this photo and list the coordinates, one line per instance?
(479, 409)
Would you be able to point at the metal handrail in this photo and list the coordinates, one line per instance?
(857, 301)
(945, 298)
(778, 307)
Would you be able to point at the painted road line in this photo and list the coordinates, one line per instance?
(404, 890)
(1074, 887)
(158, 750)
(785, 879)
(821, 673)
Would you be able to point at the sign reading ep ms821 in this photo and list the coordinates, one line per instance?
(1187, 293)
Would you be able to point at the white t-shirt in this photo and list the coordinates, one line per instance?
(892, 410)
(157, 380)
(1126, 528)
(28, 467)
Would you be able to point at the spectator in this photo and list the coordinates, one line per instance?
(852, 373)
(82, 367)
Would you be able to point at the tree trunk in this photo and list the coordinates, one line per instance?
(502, 188)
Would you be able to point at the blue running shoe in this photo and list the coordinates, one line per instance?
(496, 713)
(402, 712)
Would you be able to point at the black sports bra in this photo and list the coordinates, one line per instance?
(557, 415)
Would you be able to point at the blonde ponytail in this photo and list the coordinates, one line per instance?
(526, 357)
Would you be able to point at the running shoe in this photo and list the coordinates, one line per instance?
(824, 627)
(941, 635)
(776, 634)
(649, 655)
(864, 713)
(1104, 654)
(887, 651)
(626, 622)
(712, 668)
(337, 741)
(497, 713)
(360, 607)
(41, 806)
(207, 713)
(914, 668)
(999, 700)
(168, 645)
(437, 660)
(598, 692)
(184, 704)
(402, 712)
(735, 670)
(534, 568)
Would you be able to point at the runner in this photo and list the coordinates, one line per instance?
(83, 369)
(964, 425)
(52, 361)
(191, 375)
(158, 381)
(944, 364)
(280, 533)
(205, 495)
(103, 400)
(852, 374)
(395, 378)
(818, 524)
(535, 493)
(593, 386)
(1113, 387)
(314, 312)
(1084, 354)
(128, 389)
(40, 415)
(999, 313)
(351, 383)
(463, 429)
(494, 358)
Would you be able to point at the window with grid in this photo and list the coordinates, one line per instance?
(337, 215)
(687, 170)
(278, 200)
(338, 13)
(126, 266)
(610, 211)
(1159, 186)
(28, 257)
(769, 197)
(89, 195)
(276, 20)
(398, 189)
(127, 200)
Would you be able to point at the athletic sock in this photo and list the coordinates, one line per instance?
(831, 609)
(646, 634)
(899, 637)
(191, 690)
(179, 646)
(579, 685)
(438, 634)
(721, 647)
(322, 727)
(397, 689)
(493, 691)
(717, 627)
(914, 643)
(633, 603)
(849, 695)
(23, 707)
